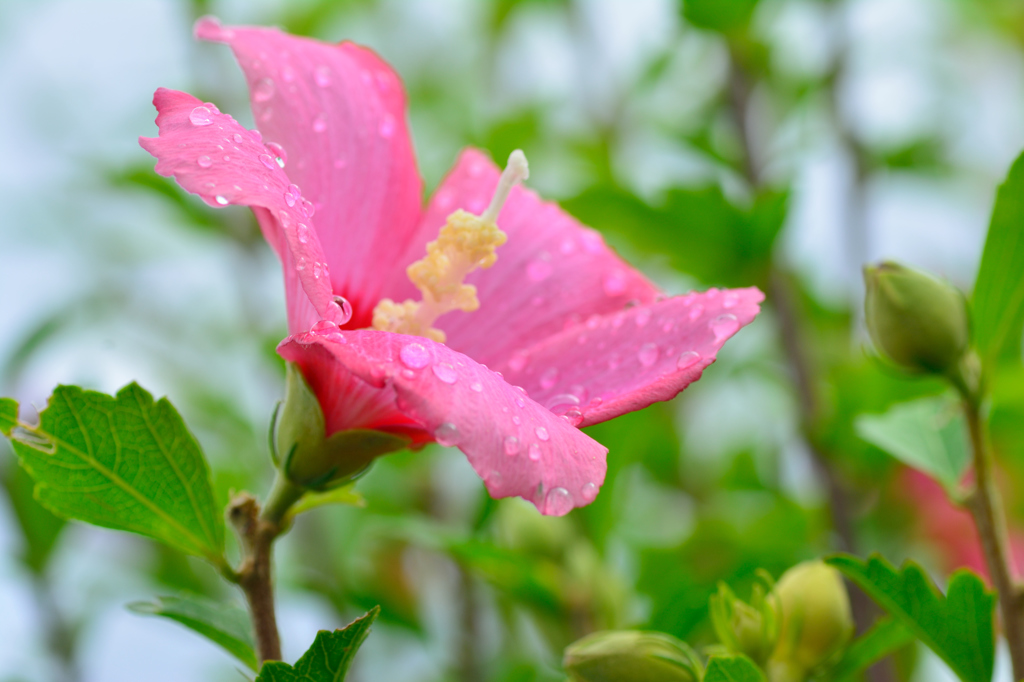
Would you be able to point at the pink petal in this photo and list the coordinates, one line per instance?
(624, 361)
(339, 113)
(212, 155)
(518, 447)
(551, 273)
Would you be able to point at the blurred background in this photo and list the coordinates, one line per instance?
(777, 143)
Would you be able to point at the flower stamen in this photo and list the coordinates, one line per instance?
(465, 243)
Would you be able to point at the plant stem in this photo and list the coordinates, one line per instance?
(257, 531)
(986, 508)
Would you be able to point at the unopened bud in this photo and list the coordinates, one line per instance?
(915, 320)
(303, 452)
(746, 628)
(631, 656)
(816, 620)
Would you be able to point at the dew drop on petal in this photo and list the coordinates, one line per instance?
(288, 74)
(322, 76)
(573, 415)
(278, 151)
(301, 265)
(445, 373)
(516, 420)
(303, 232)
(414, 355)
(562, 402)
(268, 161)
(558, 502)
(324, 326)
(386, 129)
(542, 433)
(533, 452)
(345, 307)
(589, 492)
(548, 378)
(511, 446)
(204, 161)
(643, 316)
(648, 354)
(614, 283)
(476, 387)
(696, 311)
(292, 195)
(730, 300)
(263, 90)
(408, 373)
(447, 434)
(724, 326)
(539, 270)
(567, 247)
(308, 209)
(319, 123)
(201, 116)
(688, 359)
(518, 361)
(221, 200)
(520, 402)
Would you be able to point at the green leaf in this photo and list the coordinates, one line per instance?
(958, 627)
(928, 434)
(723, 16)
(998, 310)
(39, 528)
(123, 462)
(886, 637)
(733, 668)
(8, 415)
(346, 494)
(328, 659)
(225, 625)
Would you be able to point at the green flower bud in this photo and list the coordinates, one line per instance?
(631, 656)
(306, 456)
(747, 628)
(816, 620)
(915, 320)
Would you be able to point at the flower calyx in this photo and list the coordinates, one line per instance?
(303, 452)
(465, 243)
(749, 628)
(631, 655)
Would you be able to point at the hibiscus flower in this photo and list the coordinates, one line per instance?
(506, 358)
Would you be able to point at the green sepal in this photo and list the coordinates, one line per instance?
(341, 458)
(616, 655)
(747, 628)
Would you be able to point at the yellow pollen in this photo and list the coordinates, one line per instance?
(465, 243)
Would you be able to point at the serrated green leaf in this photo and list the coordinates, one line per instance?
(226, 625)
(998, 305)
(886, 637)
(123, 462)
(328, 659)
(959, 627)
(8, 415)
(928, 434)
(733, 668)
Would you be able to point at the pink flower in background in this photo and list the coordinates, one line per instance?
(560, 314)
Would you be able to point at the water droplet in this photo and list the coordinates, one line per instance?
(256, 135)
(592, 241)
(322, 76)
(516, 420)
(548, 378)
(730, 300)
(711, 293)
(696, 311)
(533, 452)
(542, 433)
(345, 307)
(445, 373)
(477, 387)
(268, 161)
(724, 326)
(221, 200)
(589, 492)
(560, 403)
(643, 316)
(520, 402)
(319, 123)
(316, 269)
(688, 359)
(204, 161)
(558, 502)
(414, 355)
(308, 209)
(201, 116)
(288, 74)
(386, 129)
(278, 151)
(573, 415)
(324, 326)
(648, 354)
(518, 361)
(303, 231)
(263, 90)
(301, 265)
(292, 194)
(447, 434)
(408, 373)
(539, 269)
(614, 283)
(511, 446)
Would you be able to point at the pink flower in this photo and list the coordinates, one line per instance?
(560, 314)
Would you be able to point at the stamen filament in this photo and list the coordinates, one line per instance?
(515, 172)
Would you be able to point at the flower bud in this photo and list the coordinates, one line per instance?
(631, 656)
(816, 620)
(746, 628)
(915, 320)
(303, 452)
